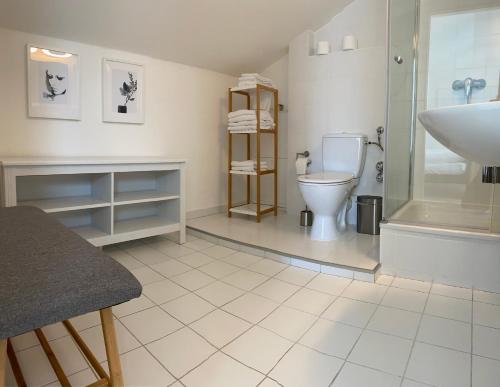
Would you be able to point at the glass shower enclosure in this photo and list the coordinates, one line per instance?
(436, 46)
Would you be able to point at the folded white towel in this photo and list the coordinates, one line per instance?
(250, 122)
(248, 164)
(243, 163)
(249, 128)
(264, 115)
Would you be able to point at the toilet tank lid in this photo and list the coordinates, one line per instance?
(345, 135)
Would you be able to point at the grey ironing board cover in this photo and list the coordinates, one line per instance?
(48, 273)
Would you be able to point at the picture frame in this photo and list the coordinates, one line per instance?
(122, 91)
(53, 83)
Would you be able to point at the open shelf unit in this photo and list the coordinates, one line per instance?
(104, 203)
(256, 209)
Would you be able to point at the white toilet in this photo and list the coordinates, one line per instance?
(327, 193)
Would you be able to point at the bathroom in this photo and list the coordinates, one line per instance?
(310, 200)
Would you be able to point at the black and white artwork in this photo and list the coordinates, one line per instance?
(123, 92)
(53, 84)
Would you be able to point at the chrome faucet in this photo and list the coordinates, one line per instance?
(468, 84)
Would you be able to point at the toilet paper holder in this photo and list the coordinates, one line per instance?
(303, 154)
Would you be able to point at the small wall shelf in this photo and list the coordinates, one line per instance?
(256, 209)
(104, 200)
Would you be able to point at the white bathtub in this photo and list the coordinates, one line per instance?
(455, 257)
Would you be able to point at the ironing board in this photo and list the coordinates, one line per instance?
(49, 274)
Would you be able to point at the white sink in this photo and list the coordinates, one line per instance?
(472, 131)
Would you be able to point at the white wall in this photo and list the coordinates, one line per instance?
(186, 111)
(343, 91)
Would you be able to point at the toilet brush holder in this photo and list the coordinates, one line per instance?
(306, 218)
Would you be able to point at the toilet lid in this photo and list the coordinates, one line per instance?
(326, 178)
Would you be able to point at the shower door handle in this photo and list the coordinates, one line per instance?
(398, 59)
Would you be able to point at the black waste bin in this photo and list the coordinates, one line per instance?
(369, 214)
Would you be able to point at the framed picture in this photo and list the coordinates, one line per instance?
(53, 83)
(123, 92)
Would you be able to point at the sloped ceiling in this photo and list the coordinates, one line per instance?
(228, 36)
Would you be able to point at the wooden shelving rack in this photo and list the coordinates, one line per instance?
(256, 209)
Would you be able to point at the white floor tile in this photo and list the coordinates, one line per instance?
(219, 327)
(448, 307)
(195, 260)
(396, 322)
(288, 323)
(364, 291)
(241, 259)
(349, 311)
(276, 290)
(331, 338)
(267, 267)
(251, 307)
(36, 367)
(384, 279)
(218, 269)
(142, 369)
(163, 291)
(171, 268)
(222, 371)
(412, 383)
(410, 284)
(258, 348)
(125, 259)
(218, 252)
(24, 341)
(411, 300)
(486, 341)
(487, 314)
(487, 297)
(302, 366)
(452, 291)
(176, 251)
(181, 351)
(55, 331)
(219, 293)
(445, 333)
(329, 284)
(198, 244)
(267, 382)
(188, 308)
(245, 279)
(145, 275)
(485, 372)
(193, 279)
(132, 306)
(353, 375)
(296, 275)
(85, 321)
(439, 366)
(94, 339)
(69, 355)
(147, 255)
(310, 301)
(150, 324)
(382, 352)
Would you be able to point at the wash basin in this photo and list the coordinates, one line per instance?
(472, 131)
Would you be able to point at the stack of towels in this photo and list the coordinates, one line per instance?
(246, 120)
(248, 165)
(250, 80)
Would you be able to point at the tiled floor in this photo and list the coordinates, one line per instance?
(283, 235)
(213, 316)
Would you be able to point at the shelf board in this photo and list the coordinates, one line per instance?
(89, 232)
(66, 204)
(134, 197)
(250, 209)
(270, 131)
(252, 173)
(252, 88)
(144, 223)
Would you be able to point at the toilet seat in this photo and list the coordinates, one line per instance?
(330, 178)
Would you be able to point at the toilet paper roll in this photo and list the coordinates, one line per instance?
(349, 43)
(301, 165)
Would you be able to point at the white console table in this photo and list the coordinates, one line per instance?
(105, 200)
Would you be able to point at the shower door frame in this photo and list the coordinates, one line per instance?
(413, 119)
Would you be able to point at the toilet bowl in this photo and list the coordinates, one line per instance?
(326, 194)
